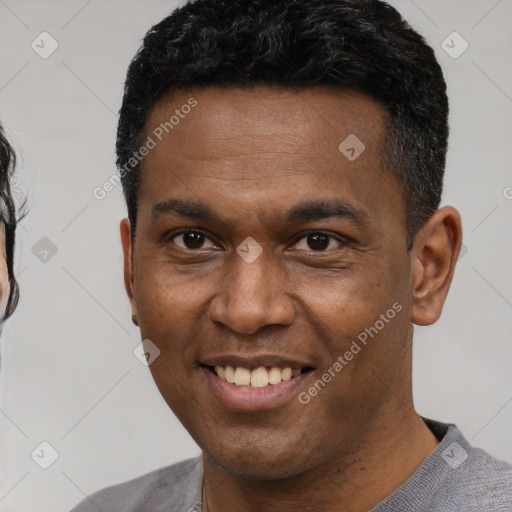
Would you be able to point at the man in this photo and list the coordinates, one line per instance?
(282, 163)
(9, 291)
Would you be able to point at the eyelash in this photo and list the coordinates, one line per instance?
(343, 242)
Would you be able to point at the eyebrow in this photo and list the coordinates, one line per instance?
(183, 209)
(324, 209)
(305, 211)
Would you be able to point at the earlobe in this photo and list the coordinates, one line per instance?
(129, 283)
(434, 255)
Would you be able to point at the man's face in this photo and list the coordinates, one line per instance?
(265, 164)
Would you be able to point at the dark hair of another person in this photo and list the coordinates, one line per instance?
(361, 45)
(8, 218)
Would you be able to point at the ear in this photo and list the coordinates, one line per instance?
(126, 241)
(433, 257)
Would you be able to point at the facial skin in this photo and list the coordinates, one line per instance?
(252, 156)
(4, 277)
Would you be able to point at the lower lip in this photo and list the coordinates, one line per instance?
(253, 399)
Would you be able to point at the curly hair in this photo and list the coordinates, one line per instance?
(362, 45)
(8, 218)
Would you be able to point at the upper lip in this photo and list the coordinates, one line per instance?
(254, 361)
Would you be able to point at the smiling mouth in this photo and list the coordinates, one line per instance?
(259, 377)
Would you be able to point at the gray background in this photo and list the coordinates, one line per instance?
(69, 376)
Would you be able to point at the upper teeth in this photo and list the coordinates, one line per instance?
(258, 377)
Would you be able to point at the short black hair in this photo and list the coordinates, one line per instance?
(8, 217)
(362, 45)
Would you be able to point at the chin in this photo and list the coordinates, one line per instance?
(265, 461)
(271, 469)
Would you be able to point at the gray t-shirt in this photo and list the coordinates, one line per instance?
(454, 478)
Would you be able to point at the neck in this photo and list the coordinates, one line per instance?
(385, 458)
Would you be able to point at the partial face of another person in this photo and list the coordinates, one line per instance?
(7, 229)
(259, 243)
(5, 286)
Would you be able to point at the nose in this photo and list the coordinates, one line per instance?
(251, 296)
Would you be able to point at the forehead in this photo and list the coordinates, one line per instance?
(262, 144)
(309, 120)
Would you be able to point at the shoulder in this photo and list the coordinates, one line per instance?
(481, 482)
(175, 487)
(455, 477)
(468, 478)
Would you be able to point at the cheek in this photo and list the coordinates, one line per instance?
(364, 324)
(171, 310)
(347, 302)
(163, 294)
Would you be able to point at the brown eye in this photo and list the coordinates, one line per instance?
(191, 240)
(318, 241)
